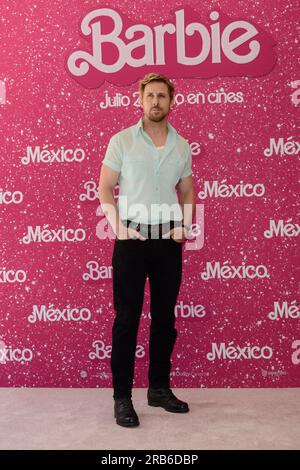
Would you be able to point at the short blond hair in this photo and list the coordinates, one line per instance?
(150, 77)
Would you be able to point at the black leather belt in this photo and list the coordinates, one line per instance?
(152, 230)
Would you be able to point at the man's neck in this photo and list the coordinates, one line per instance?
(156, 129)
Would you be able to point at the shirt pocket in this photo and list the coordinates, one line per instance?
(134, 168)
(172, 169)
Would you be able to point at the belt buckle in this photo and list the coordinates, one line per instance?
(154, 231)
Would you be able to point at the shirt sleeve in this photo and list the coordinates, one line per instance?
(187, 170)
(113, 155)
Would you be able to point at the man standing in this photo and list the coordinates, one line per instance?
(150, 160)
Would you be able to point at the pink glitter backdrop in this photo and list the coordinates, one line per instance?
(228, 335)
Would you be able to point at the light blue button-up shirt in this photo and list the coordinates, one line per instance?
(148, 175)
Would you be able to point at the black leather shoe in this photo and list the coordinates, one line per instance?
(165, 398)
(124, 413)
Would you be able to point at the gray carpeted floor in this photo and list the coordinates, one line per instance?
(59, 418)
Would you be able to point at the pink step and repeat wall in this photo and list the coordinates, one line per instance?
(69, 81)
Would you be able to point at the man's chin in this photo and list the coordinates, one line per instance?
(157, 118)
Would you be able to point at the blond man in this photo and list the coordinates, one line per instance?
(150, 161)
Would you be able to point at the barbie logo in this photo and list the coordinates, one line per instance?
(183, 46)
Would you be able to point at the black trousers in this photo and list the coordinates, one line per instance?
(133, 261)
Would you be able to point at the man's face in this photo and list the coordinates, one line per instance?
(156, 101)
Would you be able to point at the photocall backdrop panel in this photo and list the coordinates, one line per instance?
(68, 82)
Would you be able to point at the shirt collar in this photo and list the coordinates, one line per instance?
(139, 126)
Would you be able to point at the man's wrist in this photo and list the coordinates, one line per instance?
(187, 229)
(121, 230)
